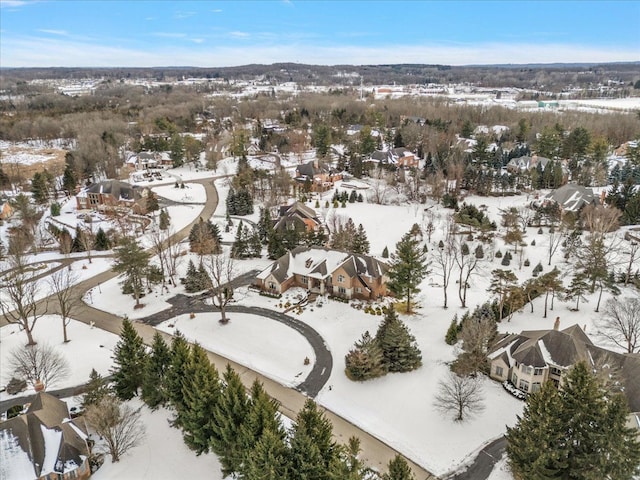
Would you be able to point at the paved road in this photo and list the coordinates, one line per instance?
(483, 464)
(375, 453)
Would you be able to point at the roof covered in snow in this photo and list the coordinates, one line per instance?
(572, 197)
(41, 441)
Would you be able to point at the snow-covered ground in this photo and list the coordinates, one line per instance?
(161, 454)
(89, 348)
(256, 342)
(501, 470)
(191, 193)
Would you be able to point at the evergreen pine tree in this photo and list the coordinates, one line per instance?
(261, 419)
(312, 448)
(128, 357)
(95, 390)
(77, 245)
(255, 245)
(268, 459)
(398, 470)
(360, 198)
(201, 391)
(360, 242)
(154, 373)
(164, 220)
(577, 432)
(365, 360)
(239, 247)
(353, 196)
(348, 465)
(175, 375)
(408, 268)
(228, 419)
(69, 180)
(385, 252)
(399, 347)
(102, 241)
(39, 188)
(275, 246)
(152, 202)
(452, 332)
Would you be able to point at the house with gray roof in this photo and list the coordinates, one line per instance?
(297, 216)
(320, 175)
(571, 197)
(531, 358)
(111, 194)
(44, 443)
(325, 271)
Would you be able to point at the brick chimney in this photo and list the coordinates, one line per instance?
(38, 386)
(556, 324)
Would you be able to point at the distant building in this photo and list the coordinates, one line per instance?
(321, 177)
(571, 197)
(297, 216)
(44, 443)
(526, 163)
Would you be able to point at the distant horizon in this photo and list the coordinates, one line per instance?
(223, 33)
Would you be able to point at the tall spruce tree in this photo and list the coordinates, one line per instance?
(128, 357)
(579, 431)
(175, 376)
(398, 469)
(408, 268)
(131, 260)
(102, 241)
(262, 418)
(228, 419)
(399, 347)
(365, 360)
(164, 219)
(312, 449)
(95, 390)
(154, 388)
(268, 459)
(201, 391)
(360, 242)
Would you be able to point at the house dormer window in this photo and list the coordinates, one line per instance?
(308, 263)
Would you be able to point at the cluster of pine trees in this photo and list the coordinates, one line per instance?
(204, 238)
(344, 197)
(350, 239)
(216, 414)
(393, 349)
(196, 279)
(247, 243)
(239, 202)
(279, 242)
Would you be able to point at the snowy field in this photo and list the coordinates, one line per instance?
(250, 340)
(161, 454)
(191, 193)
(89, 348)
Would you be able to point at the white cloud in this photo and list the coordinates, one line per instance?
(217, 10)
(12, 3)
(48, 51)
(54, 32)
(237, 34)
(182, 15)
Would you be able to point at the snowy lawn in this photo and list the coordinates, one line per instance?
(501, 470)
(191, 193)
(250, 340)
(161, 454)
(89, 348)
(398, 408)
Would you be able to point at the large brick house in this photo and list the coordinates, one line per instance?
(297, 216)
(44, 444)
(531, 358)
(325, 271)
(112, 194)
(321, 177)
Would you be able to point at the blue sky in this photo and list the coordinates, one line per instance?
(42, 33)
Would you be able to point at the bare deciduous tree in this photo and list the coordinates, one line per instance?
(444, 257)
(39, 362)
(61, 288)
(460, 395)
(632, 251)
(18, 300)
(556, 235)
(117, 423)
(467, 263)
(600, 220)
(87, 240)
(620, 323)
(221, 269)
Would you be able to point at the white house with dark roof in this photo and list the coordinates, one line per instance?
(325, 271)
(531, 358)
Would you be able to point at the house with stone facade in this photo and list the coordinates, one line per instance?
(324, 271)
(112, 194)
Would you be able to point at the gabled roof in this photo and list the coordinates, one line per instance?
(320, 262)
(309, 169)
(572, 197)
(115, 188)
(44, 437)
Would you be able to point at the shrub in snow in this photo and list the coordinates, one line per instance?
(527, 262)
(505, 261)
(513, 390)
(533, 242)
(498, 254)
(540, 232)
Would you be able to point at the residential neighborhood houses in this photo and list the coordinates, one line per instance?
(426, 228)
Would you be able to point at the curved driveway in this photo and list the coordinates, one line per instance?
(321, 370)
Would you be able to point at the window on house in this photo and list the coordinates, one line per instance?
(538, 371)
(526, 370)
(523, 385)
(514, 378)
(303, 279)
(272, 286)
(358, 290)
(555, 371)
(342, 290)
(499, 371)
(340, 278)
(535, 387)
